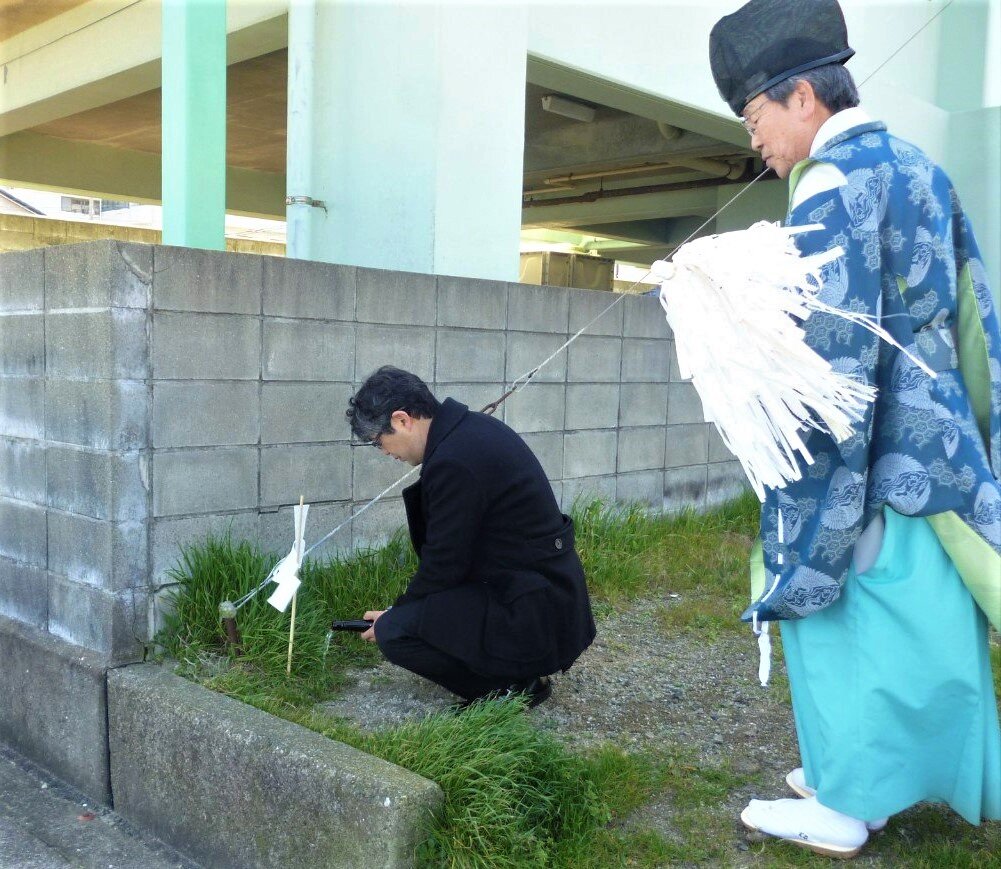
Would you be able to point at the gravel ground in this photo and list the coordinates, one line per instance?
(640, 689)
(635, 687)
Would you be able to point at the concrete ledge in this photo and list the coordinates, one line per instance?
(236, 787)
(53, 706)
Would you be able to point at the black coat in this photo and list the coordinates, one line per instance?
(502, 587)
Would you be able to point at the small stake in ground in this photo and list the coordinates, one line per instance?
(299, 535)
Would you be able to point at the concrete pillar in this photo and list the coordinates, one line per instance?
(418, 137)
(194, 123)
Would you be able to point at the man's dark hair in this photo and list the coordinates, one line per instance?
(387, 390)
(832, 84)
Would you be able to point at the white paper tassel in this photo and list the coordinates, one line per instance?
(286, 573)
(731, 300)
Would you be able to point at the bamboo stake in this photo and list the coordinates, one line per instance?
(291, 629)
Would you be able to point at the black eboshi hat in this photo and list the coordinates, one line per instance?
(767, 41)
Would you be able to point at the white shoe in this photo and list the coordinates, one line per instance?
(807, 823)
(797, 784)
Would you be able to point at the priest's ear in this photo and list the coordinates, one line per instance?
(803, 101)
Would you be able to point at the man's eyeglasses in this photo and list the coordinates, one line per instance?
(751, 124)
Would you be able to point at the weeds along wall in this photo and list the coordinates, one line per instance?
(150, 395)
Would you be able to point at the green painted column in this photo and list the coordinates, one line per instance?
(194, 123)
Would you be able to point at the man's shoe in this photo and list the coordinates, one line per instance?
(797, 784)
(532, 691)
(807, 823)
(535, 691)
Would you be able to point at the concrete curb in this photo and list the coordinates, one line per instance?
(236, 787)
(52, 706)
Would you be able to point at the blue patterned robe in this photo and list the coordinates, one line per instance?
(926, 446)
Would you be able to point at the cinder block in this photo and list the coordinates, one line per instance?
(527, 350)
(402, 346)
(113, 624)
(471, 303)
(304, 412)
(171, 536)
(188, 279)
(22, 407)
(395, 297)
(466, 355)
(475, 396)
(317, 472)
(643, 404)
(205, 413)
(23, 537)
(204, 480)
(24, 594)
(687, 445)
(98, 484)
(107, 345)
(726, 481)
(103, 273)
(22, 470)
(641, 449)
(589, 453)
(22, 345)
(375, 471)
(108, 555)
(592, 405)
(582, 490)
(595, 359)
(538, 407)
(235, 772)
(206, 346)
(646, 361)
(718, 451)
(54, 707)
(675, 368)
(683, 404)
(685, 487)
(307, 350)
(103, 414)
(643, 317)
(276, 530)
(538, 309)
(22, 280)
(376, 526)
(642, 487)
(98, 274)
(587, 305)
(548, 449)
(310, 290)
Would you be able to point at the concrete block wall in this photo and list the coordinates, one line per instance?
(74, 373)
(150, 395)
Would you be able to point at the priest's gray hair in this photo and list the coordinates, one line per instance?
(832, 84)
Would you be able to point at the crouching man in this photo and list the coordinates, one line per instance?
(498, 602)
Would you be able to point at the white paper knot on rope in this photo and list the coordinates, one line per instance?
(731, 300)
(286, 572)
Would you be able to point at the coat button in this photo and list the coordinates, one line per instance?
(559, 543)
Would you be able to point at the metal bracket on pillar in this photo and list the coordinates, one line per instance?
(306, 200)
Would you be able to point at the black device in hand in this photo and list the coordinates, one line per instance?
(350, 625)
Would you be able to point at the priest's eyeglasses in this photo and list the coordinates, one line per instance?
(751, 124)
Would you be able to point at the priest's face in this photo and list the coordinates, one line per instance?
(781, 131)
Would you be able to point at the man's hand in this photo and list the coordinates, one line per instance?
(372, 616)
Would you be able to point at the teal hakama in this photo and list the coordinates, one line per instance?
(892, 690)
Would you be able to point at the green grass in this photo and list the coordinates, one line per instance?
(515, 795)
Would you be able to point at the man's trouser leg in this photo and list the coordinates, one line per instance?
(396, 634)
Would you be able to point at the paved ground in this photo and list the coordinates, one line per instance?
(45, 824)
